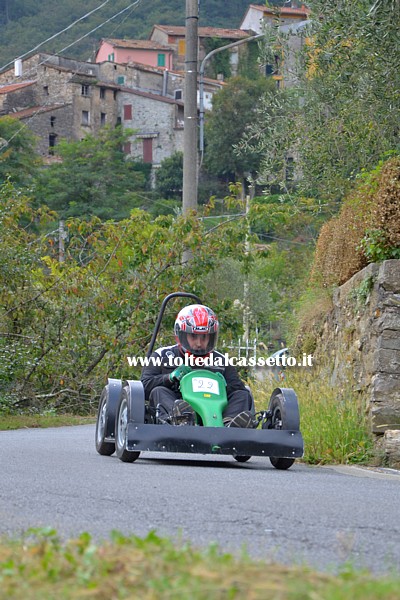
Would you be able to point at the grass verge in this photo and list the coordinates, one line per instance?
(22, 421)
(41, 566)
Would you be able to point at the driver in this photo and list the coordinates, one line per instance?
(196, 333)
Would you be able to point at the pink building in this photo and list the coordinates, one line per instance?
(146, 52)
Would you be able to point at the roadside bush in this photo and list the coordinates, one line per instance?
(367, 228)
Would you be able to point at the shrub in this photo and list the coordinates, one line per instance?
(367, 228)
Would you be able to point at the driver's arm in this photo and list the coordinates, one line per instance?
(155, 375)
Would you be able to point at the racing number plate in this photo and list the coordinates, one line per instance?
(204, 384)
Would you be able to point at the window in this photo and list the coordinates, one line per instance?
(115, 94)
(46, 90)
(111, 57)
(148, 150)
(52, 142)
(120, 80)
(179, 117)
(127, 148)
(103, 118)
(127, 112)
(178, 94)
(160, 60)
(52, 121)
(102, 93)
(181, 47)
(85, 90)
(85, 117)
(269, 69)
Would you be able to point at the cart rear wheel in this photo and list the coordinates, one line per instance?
(103, 447)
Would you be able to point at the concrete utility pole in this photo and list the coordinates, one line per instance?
(190, 156)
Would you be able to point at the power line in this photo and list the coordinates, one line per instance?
(57, 34)
(133, 4)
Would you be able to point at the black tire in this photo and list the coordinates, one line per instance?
(104, 448)
(281, 463)
(124, 416)
(242, 459)
(285, 414)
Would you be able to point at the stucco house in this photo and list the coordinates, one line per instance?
(257, 14)
(135, 51)
(174, 37)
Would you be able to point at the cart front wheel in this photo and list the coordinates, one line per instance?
(284, 412)
(121, 429)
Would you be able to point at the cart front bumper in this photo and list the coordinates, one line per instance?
(215, 440)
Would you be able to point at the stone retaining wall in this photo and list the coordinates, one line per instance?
(360, 339)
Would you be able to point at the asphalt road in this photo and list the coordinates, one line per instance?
(319, 516)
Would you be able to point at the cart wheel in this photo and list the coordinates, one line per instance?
(284, 411)
(103, 447)
(242, 459)
(281, 463)
(124, 415)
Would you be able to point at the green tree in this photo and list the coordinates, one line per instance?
(169, 178)
(234, 109)
(18, 158)
(94, 178)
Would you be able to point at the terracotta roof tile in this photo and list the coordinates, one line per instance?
(204, 31)
(12, 87)
(35, 110)
(140, 44)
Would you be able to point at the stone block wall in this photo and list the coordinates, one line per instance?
(360, 341)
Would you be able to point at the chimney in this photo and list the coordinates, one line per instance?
(18, 67)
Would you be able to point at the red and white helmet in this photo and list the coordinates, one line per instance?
(196, 319)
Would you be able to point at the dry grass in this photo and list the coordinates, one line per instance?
(154, 568)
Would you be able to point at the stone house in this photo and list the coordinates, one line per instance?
(157, 122)
(49, 124)
(16, 96)
(64, 101)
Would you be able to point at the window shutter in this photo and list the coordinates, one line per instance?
(127, 112)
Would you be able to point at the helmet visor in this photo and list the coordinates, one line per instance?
(199, 344)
